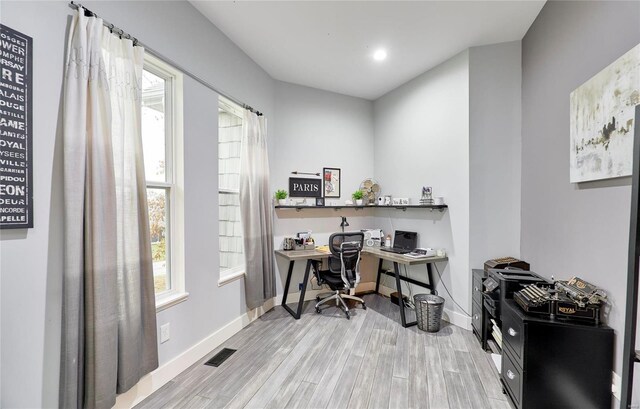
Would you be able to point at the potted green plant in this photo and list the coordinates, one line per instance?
(281, 195)
(357, 196)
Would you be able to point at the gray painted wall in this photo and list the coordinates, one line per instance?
(494, 151)
(31, 261)
(317, 129)
(573, 229)
(422, 139)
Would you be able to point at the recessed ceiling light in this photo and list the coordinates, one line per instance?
(380, 55)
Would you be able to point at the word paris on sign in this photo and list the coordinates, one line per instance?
(305, 187)
(16, 174)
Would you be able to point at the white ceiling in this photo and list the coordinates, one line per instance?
(329, 45)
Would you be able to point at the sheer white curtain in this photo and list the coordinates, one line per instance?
(109, 326)
(255, 211)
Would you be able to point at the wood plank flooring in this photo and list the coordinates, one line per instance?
(326, 361)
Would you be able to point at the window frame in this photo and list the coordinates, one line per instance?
(174, 180)
(229, 275)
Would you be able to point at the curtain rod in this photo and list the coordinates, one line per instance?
(118, 31)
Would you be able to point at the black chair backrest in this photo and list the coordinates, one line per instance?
(350, 252)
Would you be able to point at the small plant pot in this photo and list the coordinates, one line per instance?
(359, 202)
(282, 202)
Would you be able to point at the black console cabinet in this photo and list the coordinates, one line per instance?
(555, 364)
(479, 320)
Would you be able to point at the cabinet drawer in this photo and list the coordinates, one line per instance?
(476, 289)
(513, 334)
(476, 317)
(512, 378)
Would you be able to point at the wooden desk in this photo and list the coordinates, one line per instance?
(313, 256)
(293, 255)
(398, 259)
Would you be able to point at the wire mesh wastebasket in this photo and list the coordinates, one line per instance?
(428, 311)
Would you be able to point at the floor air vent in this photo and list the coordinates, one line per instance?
(220, 357)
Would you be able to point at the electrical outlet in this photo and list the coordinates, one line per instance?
(616, 385)
(164, 333)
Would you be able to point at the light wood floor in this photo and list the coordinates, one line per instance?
(327, 361)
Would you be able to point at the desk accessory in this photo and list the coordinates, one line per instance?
(387, 200)
(372, 237)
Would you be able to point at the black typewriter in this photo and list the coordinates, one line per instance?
(574, 299)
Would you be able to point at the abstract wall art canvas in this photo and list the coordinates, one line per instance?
(602, 119)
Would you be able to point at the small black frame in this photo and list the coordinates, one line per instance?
(319, 201)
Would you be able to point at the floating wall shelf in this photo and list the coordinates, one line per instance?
(440, 208)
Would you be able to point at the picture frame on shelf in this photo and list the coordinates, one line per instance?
(331, 182)
(319, 201)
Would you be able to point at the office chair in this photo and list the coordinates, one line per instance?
(344, 269)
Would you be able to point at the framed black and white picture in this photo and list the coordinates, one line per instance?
(319, 201)
(331, 182)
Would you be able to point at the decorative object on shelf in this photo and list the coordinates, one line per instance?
(331, 179)
(295, 172)
(348, 202)
(305, 187)
(438, 200)
(441, 253)
(16, 195)
(387, 200)
(319, 201)
(371, 189)
(281, 195)
(399, 201)
(601, 115)
(380, 201)
(343, 223)
(357, 196)
(426, 198)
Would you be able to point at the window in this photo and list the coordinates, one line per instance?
(162, 148)
(229, 137)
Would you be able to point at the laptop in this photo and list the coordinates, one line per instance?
(403, 242)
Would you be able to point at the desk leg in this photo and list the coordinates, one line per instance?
(379, 274)
(295, 314)
(403, 318)
(304, 288)
(286, 289)
(432, 286)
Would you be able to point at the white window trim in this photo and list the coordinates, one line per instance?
(230, 275)
(175, 148)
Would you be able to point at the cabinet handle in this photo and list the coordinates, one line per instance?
(476, 289)
(512, 332)
(510, 374)
(476, 317)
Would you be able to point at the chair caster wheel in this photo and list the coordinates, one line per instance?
(348, 316)
(318, 310)
(364, 307)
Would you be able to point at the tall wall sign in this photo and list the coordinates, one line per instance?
(305, 187)
(16, 173)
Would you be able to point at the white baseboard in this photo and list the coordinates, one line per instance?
(156, 379)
